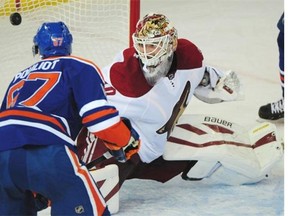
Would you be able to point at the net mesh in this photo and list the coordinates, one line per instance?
(100, 29)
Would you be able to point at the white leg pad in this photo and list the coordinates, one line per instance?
(107, 179)
(203, 169)
(250, 153)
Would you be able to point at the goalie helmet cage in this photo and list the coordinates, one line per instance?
(100, 29)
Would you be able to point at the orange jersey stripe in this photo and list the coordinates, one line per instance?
(97, 198)
(98, 115)
(32, 115)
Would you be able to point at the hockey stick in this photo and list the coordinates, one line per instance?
(118, 154)
(94, 162)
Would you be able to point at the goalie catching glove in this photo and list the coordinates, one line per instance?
(217, 86)
(122, 154)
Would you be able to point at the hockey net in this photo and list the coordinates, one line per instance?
(100, 29)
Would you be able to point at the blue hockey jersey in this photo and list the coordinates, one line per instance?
(49, 102)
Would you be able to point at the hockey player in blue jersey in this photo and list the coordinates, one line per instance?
(275, 110)
(42, 112)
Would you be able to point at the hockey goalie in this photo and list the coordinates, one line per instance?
(151, 84)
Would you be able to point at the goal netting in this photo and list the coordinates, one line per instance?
(100, 29)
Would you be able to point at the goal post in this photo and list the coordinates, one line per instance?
(100, 29)
(134, 17)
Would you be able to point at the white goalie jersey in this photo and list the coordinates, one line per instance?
(154, 111)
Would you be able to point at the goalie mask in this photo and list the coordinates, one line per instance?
(52, 39)
(155, 41)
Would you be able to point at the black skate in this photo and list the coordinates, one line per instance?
(272, 111)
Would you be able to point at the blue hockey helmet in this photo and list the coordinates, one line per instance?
(52, 39)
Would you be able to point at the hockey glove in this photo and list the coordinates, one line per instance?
(229, 87)
(217, 86)
(125, 153)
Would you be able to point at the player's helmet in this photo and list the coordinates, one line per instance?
(155, 41)
(52, 39)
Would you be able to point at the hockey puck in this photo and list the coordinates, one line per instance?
(15, 18)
